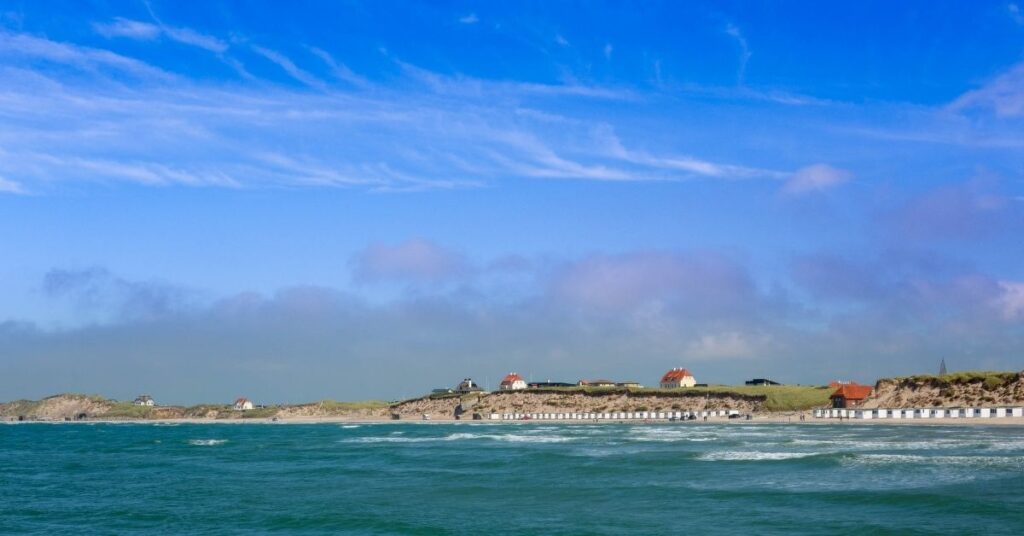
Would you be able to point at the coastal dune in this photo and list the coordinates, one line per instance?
(964, 389)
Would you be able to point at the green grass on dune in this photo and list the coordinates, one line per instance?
(128, 410)
(334, 405)
(992, 379)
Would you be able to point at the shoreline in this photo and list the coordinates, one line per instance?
(763, 419)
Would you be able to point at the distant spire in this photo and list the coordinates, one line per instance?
(942, 367)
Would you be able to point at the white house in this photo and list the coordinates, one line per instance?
(512, 382)
(677, 377)
(144, 400)
(243, 404)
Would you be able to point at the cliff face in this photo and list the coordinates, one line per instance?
(964, 389)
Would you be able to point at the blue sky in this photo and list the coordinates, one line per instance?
(202, 201)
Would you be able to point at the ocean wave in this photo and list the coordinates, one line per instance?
(733, 455)
(944, 461)
(662, 435)
(350, 426)
(207, 442)
(394, 439)
(463, 436)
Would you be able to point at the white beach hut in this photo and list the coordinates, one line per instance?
(985, 413)
(1000, 412)
(1017, 412)
(939, 413)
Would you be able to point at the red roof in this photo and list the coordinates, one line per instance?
(852, 391)
(511, 378)
(675, 375)
(241, 401)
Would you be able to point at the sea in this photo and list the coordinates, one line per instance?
(511, 478)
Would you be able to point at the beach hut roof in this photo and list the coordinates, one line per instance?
(675, 374)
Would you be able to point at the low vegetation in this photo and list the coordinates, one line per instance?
(341, 407)
(260, 413)
(990, 379)
(128, 410)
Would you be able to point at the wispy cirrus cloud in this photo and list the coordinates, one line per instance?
(34, 50)
(453, 131)
(10, 187)
(122, 27)
(288, 66)
(733, 31)
(815, 178)
(134, 29)
(1003, 95)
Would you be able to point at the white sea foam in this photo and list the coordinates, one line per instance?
(733, 455)
(463, 436)
(207, 442)
(350, 426)
(389, 440)
(663, 435)
(945, 461)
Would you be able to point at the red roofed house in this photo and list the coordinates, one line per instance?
(243, 404)
(512, 382)
(850, 395)
(677, 377)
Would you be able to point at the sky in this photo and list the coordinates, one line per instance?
(354, 200)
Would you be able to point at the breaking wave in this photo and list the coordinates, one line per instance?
(207, 442)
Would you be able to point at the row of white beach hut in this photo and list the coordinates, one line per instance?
(616, 416)
(920, 413)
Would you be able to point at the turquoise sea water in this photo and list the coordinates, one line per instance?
(510, 478)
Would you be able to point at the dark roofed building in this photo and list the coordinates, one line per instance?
(761, 381)
(549, 383)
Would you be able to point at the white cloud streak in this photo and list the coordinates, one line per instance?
(426, 131)
(815, 178)
(10, 187)
(288, 66)
(133, 29)
(733, 31)
(1003, 95)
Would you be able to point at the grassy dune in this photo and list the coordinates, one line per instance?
(334, 405)
(991, 379)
